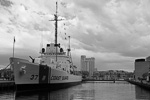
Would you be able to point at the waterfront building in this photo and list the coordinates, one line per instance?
(83, 67)
(141, 67)
(112, 75)
(88, 65)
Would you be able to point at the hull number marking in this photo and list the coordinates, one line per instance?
(33, 77)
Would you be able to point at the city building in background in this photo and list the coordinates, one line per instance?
(87, 66)
(142, 67)
(112, 75)
(90, 72)
(95, 69)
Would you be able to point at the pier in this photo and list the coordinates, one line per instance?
(5, 84)
(141, 84)
(100, 80)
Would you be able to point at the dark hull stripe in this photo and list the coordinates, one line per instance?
(49, 87)
(43, 74)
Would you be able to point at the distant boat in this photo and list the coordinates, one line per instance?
(53, 69)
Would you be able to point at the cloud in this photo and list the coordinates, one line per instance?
(115, 32)
(5, 3)
(119, 27)
(112, 26)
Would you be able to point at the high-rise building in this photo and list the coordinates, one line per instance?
(141, 67)
(83, 67)
(88, 64)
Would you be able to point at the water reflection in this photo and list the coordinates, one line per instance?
(85, 91)
(64, 94)
(7, 95)
(142, 93)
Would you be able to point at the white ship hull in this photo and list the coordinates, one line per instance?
(35, 75)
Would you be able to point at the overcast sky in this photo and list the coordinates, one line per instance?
(115, 32)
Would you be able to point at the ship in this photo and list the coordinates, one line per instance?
(53, 69)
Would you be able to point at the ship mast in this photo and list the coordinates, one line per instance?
(56, 19)
(56, 29)
(69, 47)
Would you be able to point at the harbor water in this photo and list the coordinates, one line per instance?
(97, 90)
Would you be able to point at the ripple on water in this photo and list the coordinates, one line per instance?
(85, 91)
(7, 95)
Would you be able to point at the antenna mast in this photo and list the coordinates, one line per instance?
(56, 28)
(69, 49)
(56, 19)
(69, 46)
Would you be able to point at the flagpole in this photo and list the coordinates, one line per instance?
(13, 46)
